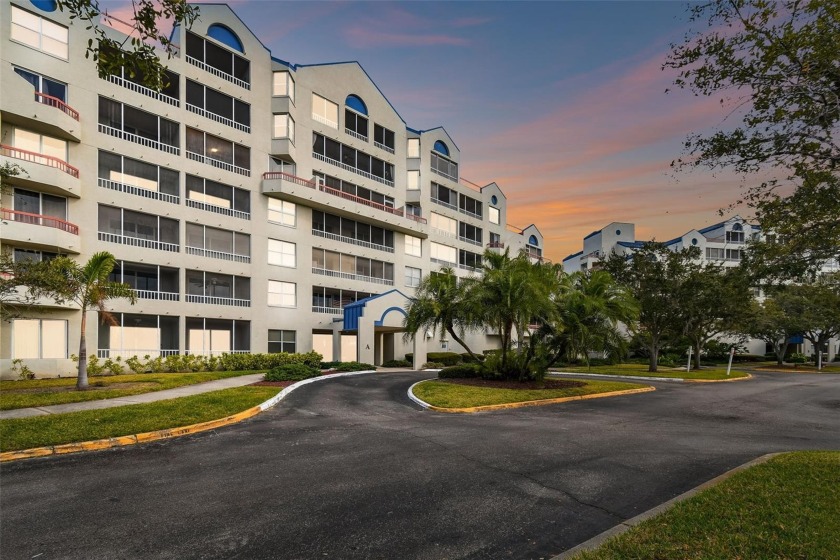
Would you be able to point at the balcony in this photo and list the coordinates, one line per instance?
(352, 169)
(351, 240)
(216, 72)
(328, 310)
(350, 276)
(128, 84)
(218, 163)
(36, 111)
(36, 231)
(48, 174)
(495, 245)
(217, 254)
(137, 139)
(218, 118)
(139, 191)
(156, 295)
(213, 300)
(138, 242)
(476, 242)
(322, 197)
(105, 353)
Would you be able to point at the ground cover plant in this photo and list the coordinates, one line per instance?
(46, 392)
(786, 508)
(292, 372)
(88, 425)
(642, 371)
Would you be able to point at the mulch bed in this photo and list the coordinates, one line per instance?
(513, 384)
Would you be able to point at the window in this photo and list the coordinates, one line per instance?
(445, 197)
(412, 209)
(413, 246)
(39, 33)
(469, 260)
(282, 341)
(355, 124)
(284, 127)
(21, 255)
(443, 225)
(137, 228)
(134, 334)
(39, 203)
(44, 85)
(136, 125)
(413, 181)
(218, 197)
(40, 144)
(282, 253)
(218, 60)
(218, 289)
(284, 85)
(218, 152)
(444, 253)
(332, 300)
(469, 206)
(470, 233)
(733, 254)
(351, 231)
(149, 280)
(217, 336)
(331, 263)
(355, 190)
(495, 240)
(39, 339)
(412, 276)
(346, 157)
(383, 138)
(281, 212)
(169, 93)
(282, 294)
(735, 236)
(218, 106)
(494, 215)
(324, 111)
(218, 243)
(444, 167)
(413, 147)
(127, 175)
(277, 164)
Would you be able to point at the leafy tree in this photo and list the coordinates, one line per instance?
(655, 275)
(772, 323)
(22, 284)
(440, 305)
(817, 305)
(137, 53)
(777, 64)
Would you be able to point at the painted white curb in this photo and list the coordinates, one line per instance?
(285, 392)
(411, 396)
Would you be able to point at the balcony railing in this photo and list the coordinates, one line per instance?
(495, 245)
(152, 353)
(217, 254)
(443, 262)
(469, 268)
(57, 103)
(218, 163)
(444, 233)
(470, 214)
(359, 242)
(219, 73)
(352, 169)
(153, 294)
(330, 310)
(471, 241)
(218, 209)
(445, 204)
(270, 175)
(442, 174)
(218, 118)
(723, 239)
(382, 146)
(39, 220)
(128, 84)
(355, 134)
(139, 242)
(139, 191)
(214, 352)
(324, 120)
(213, 300)
(41, 159)
(349, 276)
(137, 139)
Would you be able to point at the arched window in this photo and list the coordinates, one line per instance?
(442, 148)
(355, 102)
(618, 232)
(533, 241)
(225, 36)
(737, 227)
(45, 5)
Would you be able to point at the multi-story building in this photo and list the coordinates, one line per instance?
(254, 205)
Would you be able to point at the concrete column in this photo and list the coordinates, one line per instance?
(336, 345)
(365, 342)
(419, 349)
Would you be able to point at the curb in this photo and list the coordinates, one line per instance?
(488, 407)
(168, 433)
(625, 526)
(644, 378)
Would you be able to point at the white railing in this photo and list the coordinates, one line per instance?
(468, 240)
(352, 169)
(330, 310)
(348, 276)
(442, 174)
(139, 191)
(443, 233)
(324, 120)
(144, 90)
(218, 118)
(382, 146)
(152, 294)
(218, 163)
(358, 242)
(443, 262)
(445, 204)
(468, 267)
(217, 254)
(217, 72)
(152, 353)
(131, 137)
(218, 209)
(213, 300)
(470, 214)
(355, 134)
(138, 242)
(214, 352)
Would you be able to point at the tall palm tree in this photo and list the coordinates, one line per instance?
(440, 305)
(88, 286)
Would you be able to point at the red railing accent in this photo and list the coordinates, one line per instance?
(39, 220)
(57, 103)
(496, 245)
(34, 157)
(335, 192)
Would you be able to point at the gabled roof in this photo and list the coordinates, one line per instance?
(363, 302)
(579, 253)
(591, 234)
(632, 244)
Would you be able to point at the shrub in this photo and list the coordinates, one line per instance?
(329, 365)
(291, 372)
(432, 365)
(468, 359)
(397, 363)
(797, 358)
(740, 358)
(354, 366)
(445, 358)
(23, 371)
(461, 371)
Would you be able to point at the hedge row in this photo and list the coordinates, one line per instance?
(181, 363)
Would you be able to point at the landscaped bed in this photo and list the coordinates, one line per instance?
(786, 508)
(799, 368)
(467, 393)
(45, 392)
(642, 371)
(38, 431)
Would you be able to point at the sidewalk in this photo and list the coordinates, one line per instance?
(185, 391)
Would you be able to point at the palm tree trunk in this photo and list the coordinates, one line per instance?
(697, 349)
(82, 380)
(654, 357)
(463, 344)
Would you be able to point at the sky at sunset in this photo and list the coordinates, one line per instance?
(563, 104)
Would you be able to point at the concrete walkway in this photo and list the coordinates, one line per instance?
(184, 391)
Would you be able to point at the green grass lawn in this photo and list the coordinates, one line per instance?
(45, 392)
(801, 368)
(37, 431)
(452, 395)
(787, 508)
(642, 370)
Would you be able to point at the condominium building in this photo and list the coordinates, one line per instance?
(254, 205)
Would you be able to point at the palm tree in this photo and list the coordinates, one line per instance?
(440, 305)
(88, 286)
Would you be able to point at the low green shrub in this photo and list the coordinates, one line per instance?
(797, 358)
(354, 366)
(741, 358)
(432, 365)
(24, 373)
(445, 358)
(460, 371)
(397, 363)
(291, 372)
(468, 359)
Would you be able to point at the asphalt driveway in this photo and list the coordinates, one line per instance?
(350, 468)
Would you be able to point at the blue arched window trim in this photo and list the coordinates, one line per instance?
(442, 148)
(225, 36)
(533, 241)
(737, 227)
(45, 5)
(355, 102)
